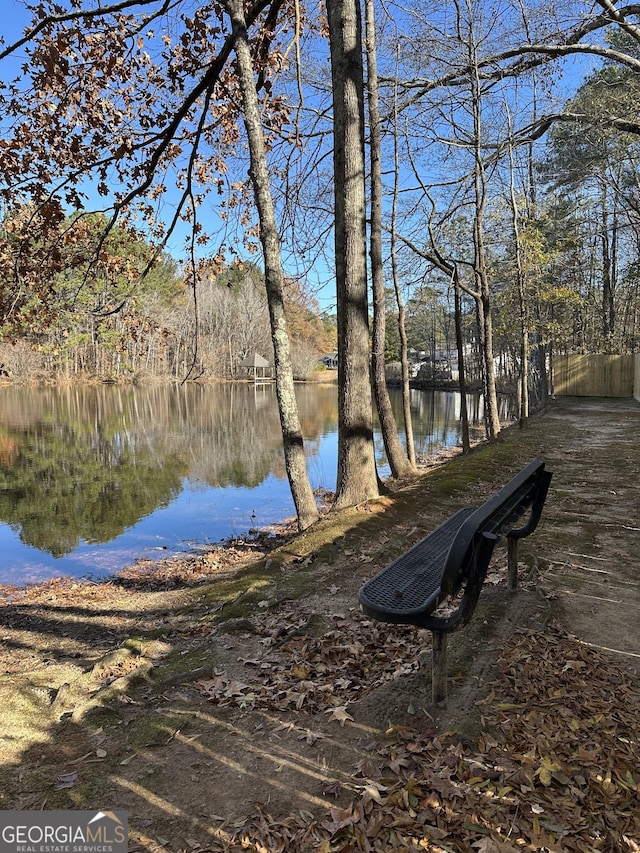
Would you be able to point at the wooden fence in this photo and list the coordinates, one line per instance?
(595, 375)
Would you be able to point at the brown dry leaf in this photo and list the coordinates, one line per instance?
(491, 845)
(340, 714)
(368, 769)
(300, 671)
(66, 780)
(373, 793)
(573, 666)
(331, 789)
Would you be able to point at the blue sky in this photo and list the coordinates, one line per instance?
(14, 19)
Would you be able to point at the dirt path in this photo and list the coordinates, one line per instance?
(269, 692)
(591, 536)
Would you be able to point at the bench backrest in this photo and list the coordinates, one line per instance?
(496, 518)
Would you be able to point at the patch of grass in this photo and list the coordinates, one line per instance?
(151, 730)
(180, 661)
(244, 583)
(88, 792)
(105, 718)
(32, 779)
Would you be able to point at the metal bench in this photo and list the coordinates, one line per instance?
(454, 559)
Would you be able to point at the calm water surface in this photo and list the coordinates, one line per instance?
(91, 479)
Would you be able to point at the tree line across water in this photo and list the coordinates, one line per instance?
(109, 325)
(465, 196)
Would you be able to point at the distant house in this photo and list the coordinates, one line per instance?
(330, 360)
(257, 367)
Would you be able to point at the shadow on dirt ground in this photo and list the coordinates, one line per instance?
(239, 700)
(591, 535)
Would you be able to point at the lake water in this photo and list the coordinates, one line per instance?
(92, 478)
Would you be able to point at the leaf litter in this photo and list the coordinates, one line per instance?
(556, 767)
(304, 673)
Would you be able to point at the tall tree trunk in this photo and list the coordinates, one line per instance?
(523, 308)
(404, 367)
(357, 477)
(608, 252)
(295, 462)
(462, 379)
(396, 456)
(492, 418)
(402, 327)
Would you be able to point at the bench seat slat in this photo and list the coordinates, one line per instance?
(411, 584)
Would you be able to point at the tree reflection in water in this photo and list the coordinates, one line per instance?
(92, 478)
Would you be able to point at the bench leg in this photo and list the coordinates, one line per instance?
(512, 557)
(439, 667)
